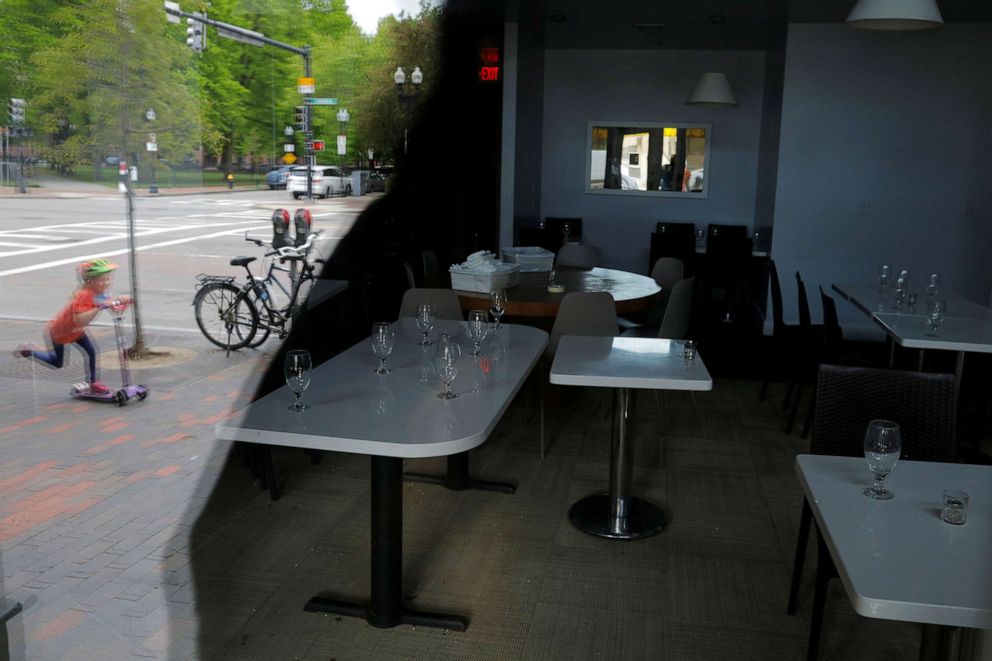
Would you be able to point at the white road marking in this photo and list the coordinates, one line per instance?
(81, 258)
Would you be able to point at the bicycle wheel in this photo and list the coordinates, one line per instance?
(266, 322)
(225, 316)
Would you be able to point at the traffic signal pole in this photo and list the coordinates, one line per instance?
(230, 31)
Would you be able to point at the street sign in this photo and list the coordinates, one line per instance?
(318, 145)
(322, 101)
(288, 158)
(305, 85)
(289, 146)
(151, 146)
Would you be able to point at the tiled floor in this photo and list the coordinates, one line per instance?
(125, 537)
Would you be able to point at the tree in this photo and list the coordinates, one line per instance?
(115, 60)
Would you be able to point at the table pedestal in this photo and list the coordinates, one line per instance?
(457, 477)
(618, 515)
(385, 608)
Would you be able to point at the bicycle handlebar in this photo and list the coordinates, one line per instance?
(295, 251)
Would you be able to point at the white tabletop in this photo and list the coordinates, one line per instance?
(353, 409)
(627, 362)
(896, 558)
(870, 300)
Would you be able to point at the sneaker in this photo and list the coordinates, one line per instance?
(22, 351)
(99, 388)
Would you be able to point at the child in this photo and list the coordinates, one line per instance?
(69, 325)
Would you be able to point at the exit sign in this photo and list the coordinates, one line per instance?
(489, 65)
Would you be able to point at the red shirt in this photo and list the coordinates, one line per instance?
(63, 329)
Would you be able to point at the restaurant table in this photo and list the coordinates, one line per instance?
(624, 364)
(897, 559)
(966, 328)
(531, 298)
(391, 417)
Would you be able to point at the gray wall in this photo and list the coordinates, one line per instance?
(885, 157)
(636, 86)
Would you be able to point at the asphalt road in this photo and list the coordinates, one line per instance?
(44, 236)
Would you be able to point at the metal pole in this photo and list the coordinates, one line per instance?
(308, 153)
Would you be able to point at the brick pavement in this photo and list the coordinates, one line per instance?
(97, 501)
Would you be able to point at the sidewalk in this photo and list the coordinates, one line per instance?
(97, 501)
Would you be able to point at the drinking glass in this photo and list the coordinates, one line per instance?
(936, 311)
(900, 291)
(933, 283)
(478, 326)
(700, 239)
(497, 305)
(883, 277)
(297, 371)
(883, 443)
(446, 363)
(382, 344)
(425, 322)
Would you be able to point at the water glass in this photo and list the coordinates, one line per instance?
(382, 344)
(955, 510)
(883, 277)
(933, 284)
(478, 326)
(700, 239)
(689, 349)
(425, 322)
(497, 305)
(883, 445)
(446, 363)
(936, 311)
(296, 369)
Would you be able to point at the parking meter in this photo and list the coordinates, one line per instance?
(280, 229)
(302, 220)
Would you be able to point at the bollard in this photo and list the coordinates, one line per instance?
(230, 181)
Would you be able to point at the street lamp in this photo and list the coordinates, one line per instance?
(343, 117)
(152, 146)
(416, 78)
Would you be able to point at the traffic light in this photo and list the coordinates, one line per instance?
(16, 111)
(300, 117)
(195, 34)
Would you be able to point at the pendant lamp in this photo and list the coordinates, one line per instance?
(895, 15)
(713, 91)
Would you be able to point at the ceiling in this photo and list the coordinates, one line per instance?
(699, 24)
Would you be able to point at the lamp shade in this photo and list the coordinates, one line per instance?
(713, 91)
(895, 15)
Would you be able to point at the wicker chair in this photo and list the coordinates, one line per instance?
(847, 398)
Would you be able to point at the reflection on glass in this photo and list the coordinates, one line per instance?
(665, 159)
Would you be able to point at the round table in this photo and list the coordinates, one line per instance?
(531, 298)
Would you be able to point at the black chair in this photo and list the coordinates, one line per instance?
(807, 353)
(564, 229)
(831, 350)
(847, 398)
(784, 336)
(676, 240)
(433, 275)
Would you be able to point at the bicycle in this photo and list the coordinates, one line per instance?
(234, 317)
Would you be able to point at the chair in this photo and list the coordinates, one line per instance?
(433, 277)
(847, 398)
(576, 256)
(804, 365)
(673, 240)
(783, 335)
(411, 280)
(556, 228)
(580, 313)
(830, 350)
(667, 272)
(445, 301)
(675, 323)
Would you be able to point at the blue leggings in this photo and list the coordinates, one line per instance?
(56, 357)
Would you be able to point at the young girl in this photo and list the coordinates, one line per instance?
(69, 325)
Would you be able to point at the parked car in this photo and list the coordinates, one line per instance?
(327, 180)
(377, 179)
(277, 176)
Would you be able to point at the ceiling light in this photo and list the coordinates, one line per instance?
(713, 91)
(895, 15)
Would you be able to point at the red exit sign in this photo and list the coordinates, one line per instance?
(489, 64)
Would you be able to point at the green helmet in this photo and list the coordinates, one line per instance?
(96, 267)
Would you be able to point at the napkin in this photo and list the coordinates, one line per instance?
(483, 261)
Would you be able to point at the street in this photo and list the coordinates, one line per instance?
(43, 239)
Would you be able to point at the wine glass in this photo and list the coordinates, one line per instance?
(382, 344)
(900, 291)
(936, 311)
(425, 322)
(883, 277)
(297, 371)
(446, 363)
(883, 443)
(478, 326)
(933, 283)
(497, 305)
